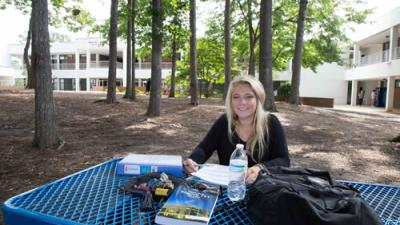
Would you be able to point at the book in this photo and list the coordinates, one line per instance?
(188, 205)
(139, 164)
(214, 174)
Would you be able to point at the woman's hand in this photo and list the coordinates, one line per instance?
(252, 174)
(190, 166)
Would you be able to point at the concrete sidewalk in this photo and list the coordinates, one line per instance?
(370, 110)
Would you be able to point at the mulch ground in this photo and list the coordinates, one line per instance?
(352, 146)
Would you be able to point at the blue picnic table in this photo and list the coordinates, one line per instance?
(92, 196)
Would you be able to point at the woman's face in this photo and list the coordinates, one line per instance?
(244, 101)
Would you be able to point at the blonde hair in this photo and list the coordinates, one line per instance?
(260, 120)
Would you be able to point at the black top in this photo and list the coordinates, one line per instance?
(217, 139)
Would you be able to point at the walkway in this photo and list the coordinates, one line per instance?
(365, 111)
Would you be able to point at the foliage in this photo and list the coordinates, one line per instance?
(325, 29)
(284, 90)
(61, 13)
(396, 139)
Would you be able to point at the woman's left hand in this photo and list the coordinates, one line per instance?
(252, 174)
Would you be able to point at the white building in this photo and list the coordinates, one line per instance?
(376, 62)
(81, 65)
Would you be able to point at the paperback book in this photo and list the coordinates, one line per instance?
(189, 205)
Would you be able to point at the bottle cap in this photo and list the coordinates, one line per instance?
(240, 146)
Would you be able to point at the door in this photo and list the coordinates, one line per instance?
(396, 98)
(82, 84)
(349, 84)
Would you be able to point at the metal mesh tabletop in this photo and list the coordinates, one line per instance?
(92, 197)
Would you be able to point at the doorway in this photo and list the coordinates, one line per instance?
(82, 84)
(396, 98)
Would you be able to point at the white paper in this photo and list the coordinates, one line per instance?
(213, 173)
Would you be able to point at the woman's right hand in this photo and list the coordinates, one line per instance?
(190, 166)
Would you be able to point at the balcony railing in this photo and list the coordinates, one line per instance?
(104, 64)
(396, 53)
(373, 58)
(147, 65)
(379, 57)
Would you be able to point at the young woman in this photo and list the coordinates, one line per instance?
(246, 122)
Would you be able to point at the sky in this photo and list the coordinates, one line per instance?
(13, 24)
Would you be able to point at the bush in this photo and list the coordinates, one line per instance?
(396, 139)
(284, 90)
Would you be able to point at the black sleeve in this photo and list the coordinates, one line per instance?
(210, 143)
(278, 154)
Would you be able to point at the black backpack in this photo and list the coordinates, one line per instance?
(288, 196)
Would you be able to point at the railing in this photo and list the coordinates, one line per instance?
(396, 53)
(66, 66)
(104, 64)
(377, 57)
(147, 65)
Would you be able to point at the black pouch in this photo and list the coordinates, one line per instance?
(289, 196)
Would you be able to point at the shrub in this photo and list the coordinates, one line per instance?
(284, 90)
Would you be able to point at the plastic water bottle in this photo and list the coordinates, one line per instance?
(237, 174)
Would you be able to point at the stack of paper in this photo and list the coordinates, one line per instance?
(214, 174)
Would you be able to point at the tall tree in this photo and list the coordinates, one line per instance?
(171, 93)
(227, 41)
(252, 34)
(128, 91)
(155, 90)
(133, 11)
(266, 53)
(31, 79)
(193, 67)
(177, 30)
(252, 43)
(112, 67)
(45, 118)
(296, 64)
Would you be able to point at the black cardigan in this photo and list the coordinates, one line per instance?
(217, 139)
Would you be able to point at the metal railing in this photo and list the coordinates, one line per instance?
(396, 53)
(104, 64)
(373, 58)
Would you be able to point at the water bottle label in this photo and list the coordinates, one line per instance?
(237, 168)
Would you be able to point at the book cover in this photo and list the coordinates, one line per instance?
(138, 164)
(188, 206)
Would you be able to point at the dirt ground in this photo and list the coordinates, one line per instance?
(353, 146)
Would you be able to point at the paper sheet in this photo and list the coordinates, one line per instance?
(213, 173)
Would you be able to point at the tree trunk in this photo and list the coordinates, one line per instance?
(193, 66)
(252, 63)
(266, 53)
(173, 70)
(207, 89)
(45, 117)
(155, 89)
(296, 64)
(30, 78)
(112, 67)
(227, 38)
(128, 91)
(133, 50)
